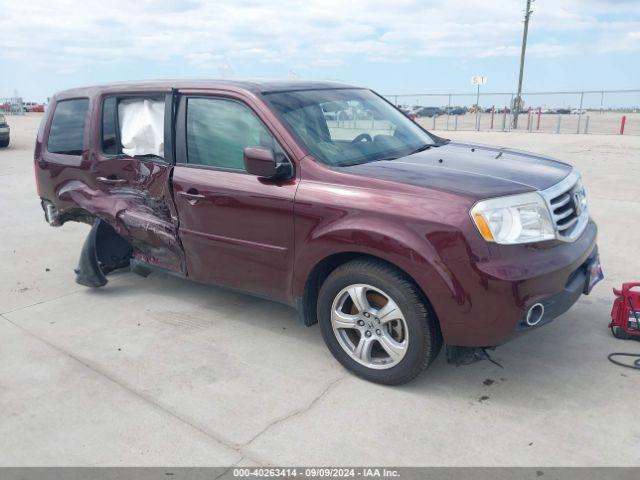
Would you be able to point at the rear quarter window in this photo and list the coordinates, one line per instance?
(67, 127)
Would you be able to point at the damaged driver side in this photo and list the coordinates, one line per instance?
(122, 185)
(103, 252)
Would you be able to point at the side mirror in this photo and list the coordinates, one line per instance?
(261, 162)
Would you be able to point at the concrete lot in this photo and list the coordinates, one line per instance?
(161, 371)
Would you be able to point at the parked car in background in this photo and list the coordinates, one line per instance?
(557, 111)
(27, 106)
(427, 112)
(393, 239)
(32, 107)
(456, 110)
(408, 111)
(5, 131)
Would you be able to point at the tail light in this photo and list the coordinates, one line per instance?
(36, 155)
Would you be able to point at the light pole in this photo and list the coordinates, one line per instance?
(478, 80)
(518, 101)
(478, 107)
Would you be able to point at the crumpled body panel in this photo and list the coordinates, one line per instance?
(141, 220)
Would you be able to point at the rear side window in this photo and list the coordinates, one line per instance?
(133, 126)
(219, 130)
(67, 128)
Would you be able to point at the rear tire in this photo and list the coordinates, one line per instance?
(388, 334)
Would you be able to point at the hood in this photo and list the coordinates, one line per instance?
(479, 171)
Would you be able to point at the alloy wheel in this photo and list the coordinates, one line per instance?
(369, 326)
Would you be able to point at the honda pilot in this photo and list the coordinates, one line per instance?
(395, 240)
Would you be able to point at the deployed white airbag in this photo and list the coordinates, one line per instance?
(141, 126)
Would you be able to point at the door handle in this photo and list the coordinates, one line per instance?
(191, 198)
(112, 181)
(194, 196)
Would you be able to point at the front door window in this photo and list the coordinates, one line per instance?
(218, 131)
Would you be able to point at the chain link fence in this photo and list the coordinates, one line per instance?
(11, 106)
(582, 112)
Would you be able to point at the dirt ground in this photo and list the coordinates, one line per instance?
(162, 371)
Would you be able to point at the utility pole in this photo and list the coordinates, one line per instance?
(518, 101)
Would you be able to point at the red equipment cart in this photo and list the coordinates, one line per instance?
(625, 314)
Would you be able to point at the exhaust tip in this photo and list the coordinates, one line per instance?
(534, 314)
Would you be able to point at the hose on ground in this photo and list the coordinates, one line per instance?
(635, 365)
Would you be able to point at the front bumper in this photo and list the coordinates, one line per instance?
(498, 292)
(557, 304)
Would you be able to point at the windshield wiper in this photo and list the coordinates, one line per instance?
(424, 147)
(364, 161)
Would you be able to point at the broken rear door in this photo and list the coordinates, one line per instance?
(132, 191)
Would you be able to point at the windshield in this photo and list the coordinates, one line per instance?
(348, 126)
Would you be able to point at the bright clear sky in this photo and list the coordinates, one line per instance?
(392, 46)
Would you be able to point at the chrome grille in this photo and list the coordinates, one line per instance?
(567, 203)
(564, 212)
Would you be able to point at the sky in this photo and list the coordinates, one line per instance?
(391, 46)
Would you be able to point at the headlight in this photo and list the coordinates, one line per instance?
(514, 219)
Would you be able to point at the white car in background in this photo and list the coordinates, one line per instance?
(5, 131)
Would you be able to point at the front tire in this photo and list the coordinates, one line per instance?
(4, 143)
(376, 323)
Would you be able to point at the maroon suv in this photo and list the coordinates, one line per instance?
(327, 198)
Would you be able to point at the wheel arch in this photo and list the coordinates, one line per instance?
(307, 303)
(405, 247)
(76, 214)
